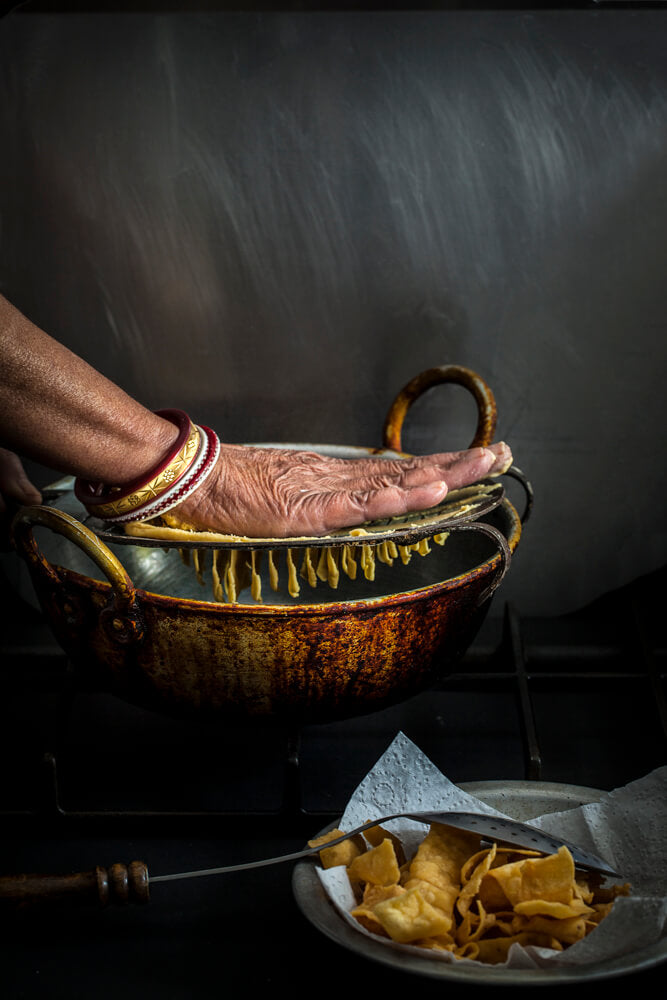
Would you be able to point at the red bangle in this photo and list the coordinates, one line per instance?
(103, 500)
(199, 471)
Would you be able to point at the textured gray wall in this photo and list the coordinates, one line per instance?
(275, 220)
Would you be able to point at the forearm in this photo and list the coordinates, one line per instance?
(57, 410)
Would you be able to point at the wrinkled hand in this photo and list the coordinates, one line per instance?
(279, 493)
(14, 483)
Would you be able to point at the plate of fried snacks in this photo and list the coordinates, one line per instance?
(445, 903)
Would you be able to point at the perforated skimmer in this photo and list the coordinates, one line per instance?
(496, 829)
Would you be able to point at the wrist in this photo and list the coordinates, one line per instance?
(142, 443)
(177, 474)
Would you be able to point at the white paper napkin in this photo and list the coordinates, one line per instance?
(628, 828)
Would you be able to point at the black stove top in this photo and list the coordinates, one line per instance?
(87, 779)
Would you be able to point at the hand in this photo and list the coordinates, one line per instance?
(278, 493)
(14, 483)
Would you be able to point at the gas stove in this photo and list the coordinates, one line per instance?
(88, 779)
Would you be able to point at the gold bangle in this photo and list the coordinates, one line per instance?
(174, 471)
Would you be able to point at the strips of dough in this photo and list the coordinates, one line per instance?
(348, 563)
(231, 588)
(321, 571)
(217, 575)
(368, 561)
(148, 529)
(199, 561)
(405, 554)
(232, 570)
(256, 580)
(292, 579)
(333, 574)
(383, 554)
(308, 571)
(273, 570)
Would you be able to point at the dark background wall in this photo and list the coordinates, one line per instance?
(275, 220)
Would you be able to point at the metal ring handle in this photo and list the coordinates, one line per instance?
(121, 617)
(516, 473)
(503, 548)
(486, 403)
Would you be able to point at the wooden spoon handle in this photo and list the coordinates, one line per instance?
(119, 884)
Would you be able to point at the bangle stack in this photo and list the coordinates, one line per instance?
(184, 469)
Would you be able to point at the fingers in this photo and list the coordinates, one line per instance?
(503, 458)
(14, 483)
(393, 501)
(390, 488)
(325, 512)
(458, 468)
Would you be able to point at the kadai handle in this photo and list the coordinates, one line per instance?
(470, 380)
(121, 618)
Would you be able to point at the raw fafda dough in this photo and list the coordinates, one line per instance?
(233, 570)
